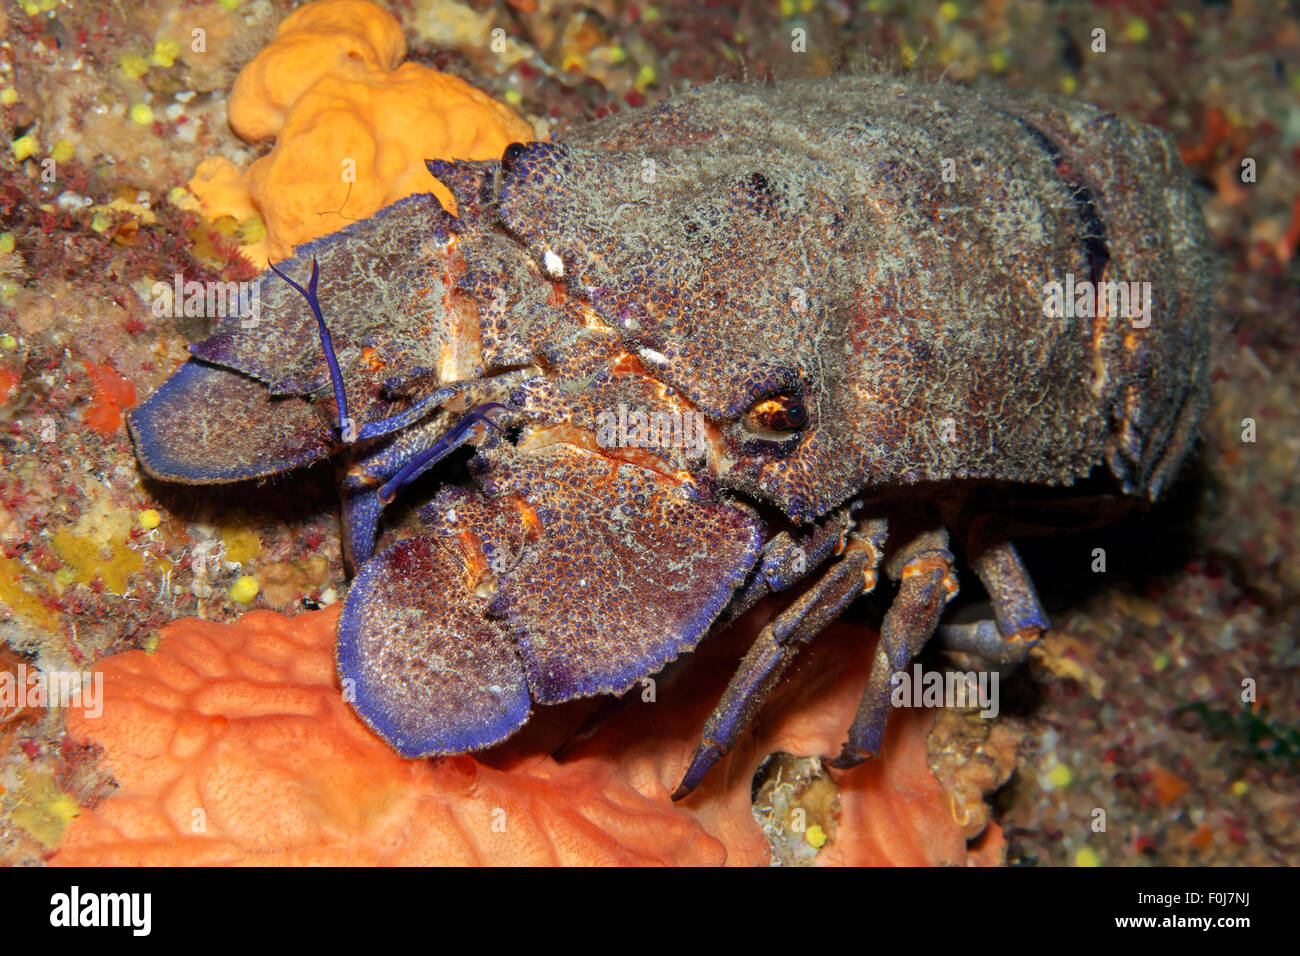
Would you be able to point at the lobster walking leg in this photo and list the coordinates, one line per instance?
(926, 584)
(1020, 617)
(778, 644)
(359, 487)
(787, 561)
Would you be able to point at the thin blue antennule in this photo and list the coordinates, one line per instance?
(346, 427)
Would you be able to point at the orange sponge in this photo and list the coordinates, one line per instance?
(344, 38)
(352, 128)
(112, 395)
(231, 744)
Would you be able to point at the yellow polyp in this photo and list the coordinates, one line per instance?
(150, 519)
(1086, 857)
(165, 52)
(227, 226)
(816, 837)
(8, 96)
(41, 808)
(64, 808)
(21, 600)
(87, 559)
(25, 146)
(1137, 30)
(182, 199)
(242, 545)
(134, 65)
(142, 113)
(244, 589)
(135, 209)
(63, 152)
(6, 242)
(1060, 776)
(250, 231)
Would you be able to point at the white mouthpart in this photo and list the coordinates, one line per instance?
(653, 357)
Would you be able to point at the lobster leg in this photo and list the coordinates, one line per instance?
(1021, 619)
(926, 584)
(787, 561)
(372, 483)
(471, 427)
(778, 644)
(359, 487)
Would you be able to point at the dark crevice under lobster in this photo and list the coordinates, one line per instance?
(835, 287)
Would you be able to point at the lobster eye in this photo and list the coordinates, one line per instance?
(777, 413)
(511, 155)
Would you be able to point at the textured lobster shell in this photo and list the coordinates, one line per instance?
(922, 299)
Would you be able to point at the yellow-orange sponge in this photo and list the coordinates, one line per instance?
(352, 128)
(344, 38)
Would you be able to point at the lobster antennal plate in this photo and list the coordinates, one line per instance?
(423, 665)
(627, 574)
(207, 425)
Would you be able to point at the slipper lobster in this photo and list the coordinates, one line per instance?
(757, 340)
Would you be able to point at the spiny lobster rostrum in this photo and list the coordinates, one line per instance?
(756, 339)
